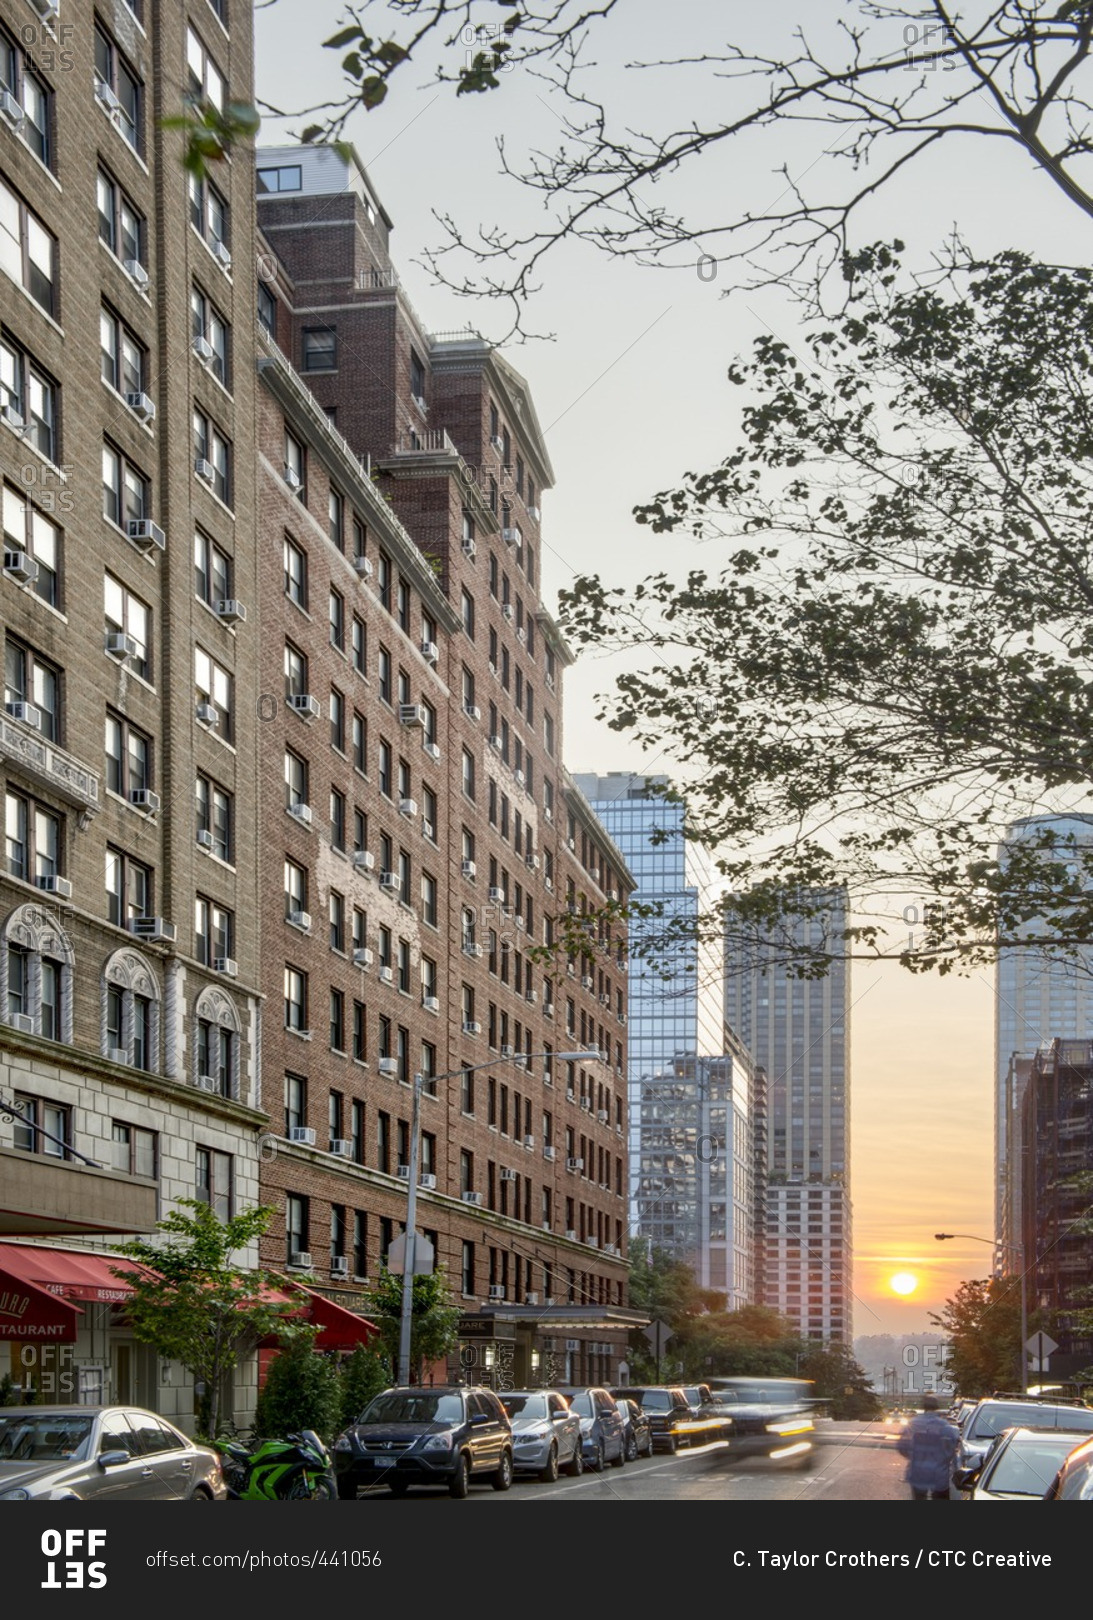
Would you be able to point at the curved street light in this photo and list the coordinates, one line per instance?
(1018, 1249)
(409, 1255)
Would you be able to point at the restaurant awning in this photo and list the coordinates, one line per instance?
(69, 1274)
(339, 1329)
(29, 1312)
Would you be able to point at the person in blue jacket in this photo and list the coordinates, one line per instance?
(929, 1443)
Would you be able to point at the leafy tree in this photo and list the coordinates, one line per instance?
(982, 1323)
(364, 1373)
(434, 1320)
(890, 659)
(193, 1304)
(661, 1285)
(302, 1390)
(840, 1380)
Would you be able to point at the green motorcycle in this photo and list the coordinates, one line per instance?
(298, 1468)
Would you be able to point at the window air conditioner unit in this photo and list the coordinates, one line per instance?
(52, 884)
(495, 743)
(207, 714)
(301, 812)
(208, 1082)
(531, 862)
(511, 537)
(506, 610)
(104, 95)
(363, 957)
(509, 1175)
(390, 880)
(231, 611)
(550, 1152)
(303, 1134)
(387, 975)
(363, 566)
(497, 895)
(299, 919)
(586, 1105)
(24, 1023)
(520, 778)
(146, 534)
(388, 1066)
(531, 1299)
(306, 706)
(341, 1147)
(141, 405)
(433, 751)
(144, 799)
(574, 1164)
(474, 1198)
(610, 1248)
(613, 895)
(203, 349)
(534, 513)
(402, 1171)
(469, 547)
(592, 1242)
(27, 713)
(339, 1265)
(430, 652)
(364, 860)
(472, 711)
(301, 1258)
(469, 869)
(471, 949)
(221, 253)
(571, 844)
(497, 1291)
(471, 1026)
(586, 981)
(204, 469)
(21, 567)
(407, 808)
(412, 714)
(431, 1003)
(117, 1054)
(602, 1115)
(121, 646)
(529, 1141)
(571, 1234)
(497, 443)
(428, 1181)
(136, 272)
(154, 928)
(11, 109)
(508, 1051)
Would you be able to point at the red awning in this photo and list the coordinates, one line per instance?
(340, 1329)
(67, 1273)
(29, 1312)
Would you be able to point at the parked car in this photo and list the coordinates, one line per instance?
(665, 1406)
(636, 1431)
(993, 1414)
(602, 1437)
(1074, 1481)
(1020, 1464)
(445, 1435)
(771, 1417)
(102, 1453)
(546, 1433)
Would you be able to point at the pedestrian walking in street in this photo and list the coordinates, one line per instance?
(929, 1443)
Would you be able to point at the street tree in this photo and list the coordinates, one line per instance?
(434, 1325)
(982, 1325)
(194, 1305)
(302, 1390)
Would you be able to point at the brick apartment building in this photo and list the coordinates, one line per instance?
(421, 833)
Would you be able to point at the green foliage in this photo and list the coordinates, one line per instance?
(193, 1304)
(212, 135)
(982, 1323)
(364, 1374)
(839, 1379)
(303, 1390)
(9, 1396)
(434, 1318)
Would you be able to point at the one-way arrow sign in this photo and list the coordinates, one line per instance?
(1041, 1346)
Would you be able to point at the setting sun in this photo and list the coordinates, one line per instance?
(903, 1283)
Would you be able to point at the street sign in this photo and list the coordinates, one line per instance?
(1041, 1346)
(658, 1334)
(424, 1256)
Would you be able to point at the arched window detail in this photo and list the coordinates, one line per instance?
(216, 1043)
(131, 1011)
(36, 973)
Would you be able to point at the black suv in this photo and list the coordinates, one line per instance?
(667, 1410)
(446, 1435)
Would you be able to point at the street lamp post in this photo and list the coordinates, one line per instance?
(1017, 1249)
(409, 1256)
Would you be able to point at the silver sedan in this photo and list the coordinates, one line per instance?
(546, 1435)
(102, 1453)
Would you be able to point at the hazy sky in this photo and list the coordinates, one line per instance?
(631, 394)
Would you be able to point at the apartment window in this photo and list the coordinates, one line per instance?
(417, 375)
(402, 598)
(295, 998)
(337, 620)
(466, 1091)
(214, 684)
(128, 756)
(337, 1020)
(319, 350)
(360, 741)
(336, 514)
(124, 358)
(297, 1226)
(468, 773)
(208, 323)
(20, 80)
(295, 565)
(403, 975)
(121, 224)
(338, 1232)
(383, 580)
(34, 839)
(384, 669)
(42, 1127)
(119, 88)
(128, 888)
(126, 614)
(212, 571)
(215, 816)
(402, 1054)
(133, 1150)
(296, 779)
(30, 680)
(383, 1143)
(360, 1050)
(385, 769)
(214, 931)
(32, 395)
(360, 647)
(213, 1181)
(429, 825)
(205, 82)
(295, 888)
(209, 216)
(467, 1267)
(212, 448)
(429, 890)
(337, 819)
(26, 529)
(467, 609)
(337, 921)
(360, 1242)
(267, 310)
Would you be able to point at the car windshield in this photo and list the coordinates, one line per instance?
(656, 1400)
(526, 1406)
(992, 1419)
(414, 1406)
(582, 1405)
(1027, 1467)
(52, 1437)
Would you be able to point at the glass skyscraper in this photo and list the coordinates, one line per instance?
(693, 1093)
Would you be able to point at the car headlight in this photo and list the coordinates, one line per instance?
(439, 1442)
(531, 1437)
(343, 1443)
(18, 1495)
